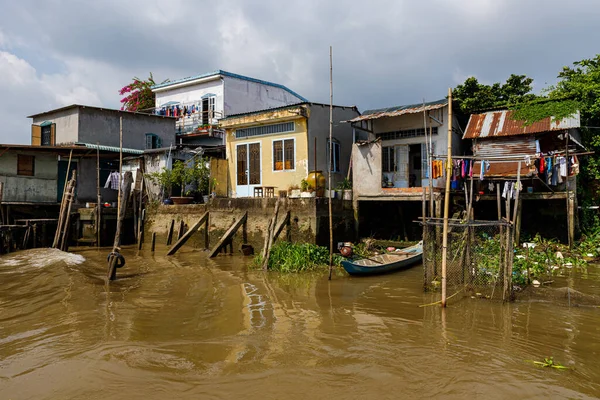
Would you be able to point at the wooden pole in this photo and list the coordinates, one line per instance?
(267, 249)
(62, 204)
(112, 271)
(170, 234)
(330, 160)
(570, 211)
(184, 237)
(141, 214)
(447, 200)
(516, 205)
(153, 241)
(119, 204)
(71, 194)
(98, 196)
(431, 205)
(181, 229)
(1, 208)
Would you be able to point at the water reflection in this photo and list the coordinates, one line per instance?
(187, 326)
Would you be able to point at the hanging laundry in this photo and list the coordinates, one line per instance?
(471, 163)
(481, 170)
(491, 187)
(562, 161)
(505, 189)
(537, 147)
(542, 165)
(113, 181)
(574, 166)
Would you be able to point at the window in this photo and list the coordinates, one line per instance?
(265, 130)
(153, 141)
(283, 155)
(387, 159)
(406, 133)
(47, 135)
(25, 165)
(335, 165)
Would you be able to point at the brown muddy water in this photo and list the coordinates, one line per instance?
(186, 327)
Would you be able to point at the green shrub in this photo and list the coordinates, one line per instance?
(291, 257)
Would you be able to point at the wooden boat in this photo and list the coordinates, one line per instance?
(385, 263)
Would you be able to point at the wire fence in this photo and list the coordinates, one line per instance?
(479, 258)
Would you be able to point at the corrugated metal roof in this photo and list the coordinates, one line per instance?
(400, 110)
(220, 72)
(500, 123)
(109, 148)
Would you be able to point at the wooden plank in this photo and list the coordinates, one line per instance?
(228, 235)
(184, 238)
(282, 224)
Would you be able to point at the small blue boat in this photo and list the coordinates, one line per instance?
(385, 263)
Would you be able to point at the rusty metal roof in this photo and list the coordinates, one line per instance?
(400, 110)
(500, 123)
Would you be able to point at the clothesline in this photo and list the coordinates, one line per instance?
(510, 158)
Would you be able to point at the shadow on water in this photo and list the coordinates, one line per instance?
(189, 327)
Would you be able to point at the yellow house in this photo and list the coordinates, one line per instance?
(278, 147)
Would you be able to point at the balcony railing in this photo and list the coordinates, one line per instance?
(192, 119)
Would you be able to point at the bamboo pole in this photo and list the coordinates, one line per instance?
(119, 205)
(62, 205)
(127, 179)
(330, 160)
(98, 196)
(447, 200)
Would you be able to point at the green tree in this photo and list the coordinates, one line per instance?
(471, 96)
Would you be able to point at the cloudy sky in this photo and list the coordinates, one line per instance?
(54, 52)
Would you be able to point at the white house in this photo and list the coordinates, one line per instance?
(395, 161)
(198, 102)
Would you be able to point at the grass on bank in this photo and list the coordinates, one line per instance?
(294, 257)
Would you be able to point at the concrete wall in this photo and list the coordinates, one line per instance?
(40, 188)
(318, 127)
(103, 126)
(309, 220)
(245, 96)
(67, 124)
(366, 169)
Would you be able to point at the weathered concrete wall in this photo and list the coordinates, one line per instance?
(309, 220)
(318, 127)
(103, 126)
(67, 124)
(366, 169)
(244, 96)
(40, 188)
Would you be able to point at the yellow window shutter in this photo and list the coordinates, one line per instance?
(36, 135)
(53, 135)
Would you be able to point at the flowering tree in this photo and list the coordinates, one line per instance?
(138, 95)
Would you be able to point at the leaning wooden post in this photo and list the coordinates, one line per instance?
(153, 241)
(447, 200)
(180, 232)
(170, 234)
(272, 225)
(98, 196)
(112, 260)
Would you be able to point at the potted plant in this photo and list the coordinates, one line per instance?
(294, 191)
(307, 189)
(346, 187)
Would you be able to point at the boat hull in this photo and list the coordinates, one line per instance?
(412, 257)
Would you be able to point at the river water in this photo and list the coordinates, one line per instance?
(186, 327)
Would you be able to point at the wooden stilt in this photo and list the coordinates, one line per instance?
(184, 237)
(170, 234)
(153, 246)
(181, 230)
(228, 235)
(112, 260)
(267, 249)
